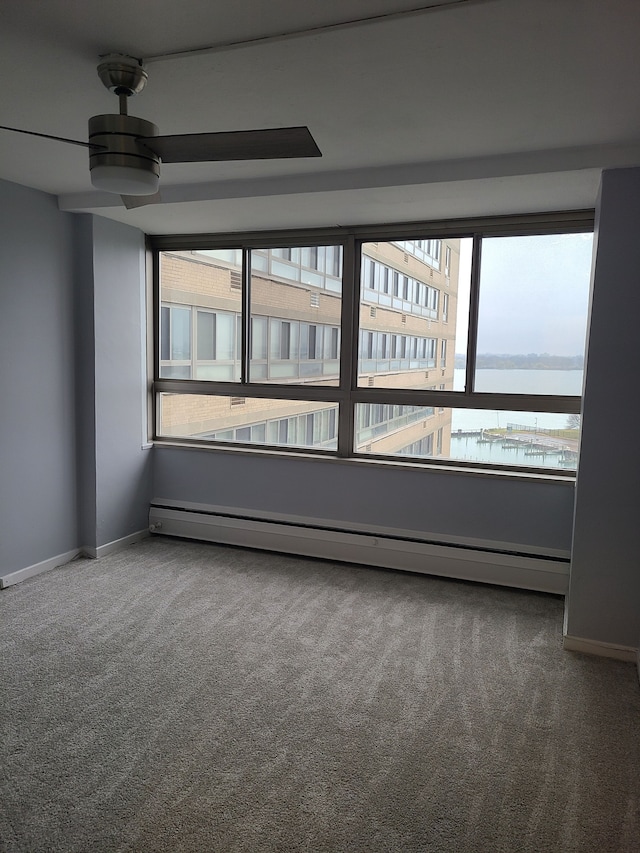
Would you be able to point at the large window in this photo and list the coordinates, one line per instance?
(461, 345)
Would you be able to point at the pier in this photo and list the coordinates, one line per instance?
(535, 442)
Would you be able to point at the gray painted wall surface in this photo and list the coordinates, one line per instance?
(85, 381)
(122, 464)
(604, 595)
(73, 469)
(537, 514)
(38, 517)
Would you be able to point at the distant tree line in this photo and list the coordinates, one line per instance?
(531, 361)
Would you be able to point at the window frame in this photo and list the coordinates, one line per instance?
(348, 393)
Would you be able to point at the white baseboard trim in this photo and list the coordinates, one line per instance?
(463, 563)
(30, 571)
(596, 647)
(116, 545)
(86, 551)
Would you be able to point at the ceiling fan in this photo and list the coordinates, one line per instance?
(125, 152)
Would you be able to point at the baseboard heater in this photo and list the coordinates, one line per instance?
(464, 562)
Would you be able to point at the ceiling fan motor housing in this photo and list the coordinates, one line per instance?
(124, 165)
(122, 74)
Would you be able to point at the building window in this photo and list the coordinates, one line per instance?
(510, 404)
(176, 323)
(422, 447)
(335, 343)
(427, 251)
(285, 340)
(254, 423)
(175, 348)
(205, 336)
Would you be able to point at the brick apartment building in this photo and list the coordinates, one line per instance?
(408, 306)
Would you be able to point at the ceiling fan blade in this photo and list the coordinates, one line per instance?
(57, 138)
(133, 201)
(273, 143)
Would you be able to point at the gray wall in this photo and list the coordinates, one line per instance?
(604, 597)
(74, 469)
(122, 462)
(38, 494)
(534, 514)
(85, 381)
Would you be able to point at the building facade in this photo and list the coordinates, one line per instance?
(407, 321)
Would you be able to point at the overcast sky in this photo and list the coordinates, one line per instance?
(533, 294)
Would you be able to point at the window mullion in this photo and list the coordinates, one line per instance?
(157, 312)
(474, 302)
(246, 316)
(157, 340)
(349, 345)
(193, 340)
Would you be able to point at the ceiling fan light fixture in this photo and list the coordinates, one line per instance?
(119, 162)
(124, 180)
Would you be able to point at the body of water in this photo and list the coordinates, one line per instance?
(567, 382)
(512, 381)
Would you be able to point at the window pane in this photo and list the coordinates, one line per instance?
(413, 315)
(165, 333)
(387, 429)
(225, 330)
(527, 439)
(298, 290)
(205, 335)
(532, 317)
(259, 338)
(180, 334)
(288, 423)
(202, 288)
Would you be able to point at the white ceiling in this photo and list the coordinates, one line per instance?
(472, 107)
